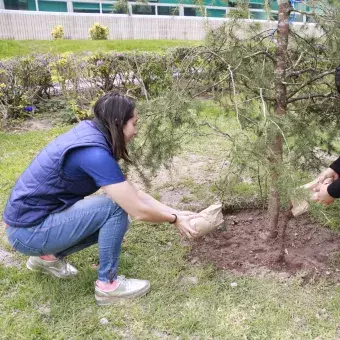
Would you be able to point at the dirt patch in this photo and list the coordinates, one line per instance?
(242, 245)
(171, 196)
(176, 185)
(34, 124)
(8, 260)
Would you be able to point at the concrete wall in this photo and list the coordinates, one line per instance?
(23, 25)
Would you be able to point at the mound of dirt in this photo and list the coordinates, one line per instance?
(244, 244)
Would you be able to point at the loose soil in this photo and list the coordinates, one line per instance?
(32, 124)
(243, 245)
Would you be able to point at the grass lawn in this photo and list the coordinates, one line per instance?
(12, 48)
(34, 306)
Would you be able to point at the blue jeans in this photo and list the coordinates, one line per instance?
(96, 219)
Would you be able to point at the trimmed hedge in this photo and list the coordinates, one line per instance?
(81, 78)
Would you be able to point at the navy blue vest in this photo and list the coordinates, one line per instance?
(42, 189)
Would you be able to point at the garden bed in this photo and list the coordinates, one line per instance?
(243, 245)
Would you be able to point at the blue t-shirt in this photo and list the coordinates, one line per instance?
(92, 162)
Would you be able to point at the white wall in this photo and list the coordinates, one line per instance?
(23, 25)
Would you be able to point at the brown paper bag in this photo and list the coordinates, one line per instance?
(301, 206)
(208, 219)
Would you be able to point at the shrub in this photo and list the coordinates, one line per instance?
(68, 70)
(153, 72)
(108, 71)
(78, 79)
(121, 7)
(238, 13)
(23, 82)
(57, 32)
(241, 11)
(98, 32)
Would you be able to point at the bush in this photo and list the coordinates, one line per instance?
(140, 74)
(98, 32)
(57, 32)
(241, 11)
(68, 70)
(78, 79)
(238, 13)
(23, 82)
(121, 7)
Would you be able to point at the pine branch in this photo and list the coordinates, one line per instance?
(297, 73)
(320, 76)
(266, 53)
(210, 87)
(311, 96)
(297, 62)
(224, 134)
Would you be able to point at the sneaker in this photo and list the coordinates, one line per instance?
(59, 268)
(127, 289)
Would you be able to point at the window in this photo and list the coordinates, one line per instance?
(259, 15)
(23, 5)
(256, 6)
(86, 7)
(52, 6)
(168, 10)
(143, 9)
(113, 9)
(274, 5)
(216, 13)
(193, 12)
(189, 11)
(107, 8)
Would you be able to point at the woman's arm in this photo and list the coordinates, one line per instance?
(126, 196)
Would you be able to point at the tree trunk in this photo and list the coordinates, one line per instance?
(275, 155)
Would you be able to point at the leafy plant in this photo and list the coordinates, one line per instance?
(98, 32)
(58, 32)
(241, 11)
(121, 7)
(23, 83)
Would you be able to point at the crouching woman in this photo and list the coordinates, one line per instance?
(48, 217)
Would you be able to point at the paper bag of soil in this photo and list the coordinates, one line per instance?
(208, 219)
(301, 206)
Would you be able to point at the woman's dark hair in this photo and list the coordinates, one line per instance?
(113, 111)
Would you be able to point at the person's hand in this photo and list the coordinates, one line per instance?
(329, 174)
(183, 226)
(322, 196)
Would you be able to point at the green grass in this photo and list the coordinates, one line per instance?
(12, 48)
(34, 306)
(16, 152)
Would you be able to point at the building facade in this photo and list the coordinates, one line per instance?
(191, 8)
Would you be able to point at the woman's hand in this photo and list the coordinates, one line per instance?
(183, 226)
(328, 174)
(322, 196)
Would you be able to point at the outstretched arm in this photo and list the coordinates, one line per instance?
(127, 197)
